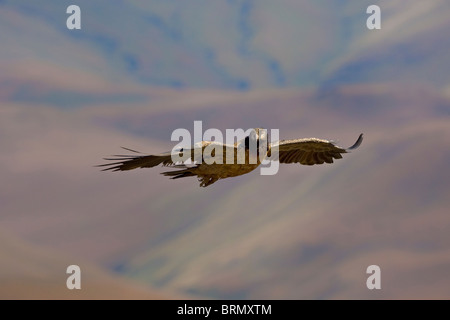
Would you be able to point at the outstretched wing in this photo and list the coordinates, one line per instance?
(311, 151)
(129, 162)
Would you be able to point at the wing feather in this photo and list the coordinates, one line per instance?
(311, 151)
(129, 162)
(133, 162)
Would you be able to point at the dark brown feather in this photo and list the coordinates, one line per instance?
(311, 151)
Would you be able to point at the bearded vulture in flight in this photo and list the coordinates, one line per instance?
(308, 151)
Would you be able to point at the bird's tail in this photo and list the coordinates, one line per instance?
(205, 180)
(176, 174)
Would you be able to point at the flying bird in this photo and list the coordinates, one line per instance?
(193, 161)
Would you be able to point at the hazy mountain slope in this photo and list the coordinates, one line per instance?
(31, 272)
(138, 70)
(246, 44)
(314, 235)
(307, 232)
(408, 48)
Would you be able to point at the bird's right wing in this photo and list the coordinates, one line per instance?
(129, 162)
(203, 152)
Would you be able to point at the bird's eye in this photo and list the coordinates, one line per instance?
(247, 142)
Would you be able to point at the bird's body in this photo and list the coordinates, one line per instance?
(212, 161)
(210, 173)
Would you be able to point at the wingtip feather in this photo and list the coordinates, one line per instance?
(357, 143)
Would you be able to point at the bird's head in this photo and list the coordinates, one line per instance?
(254, 137)
(261, 133)
(256, 142)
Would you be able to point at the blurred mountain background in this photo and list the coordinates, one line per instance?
(136, 71)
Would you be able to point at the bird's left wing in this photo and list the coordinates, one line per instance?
(311, 151)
